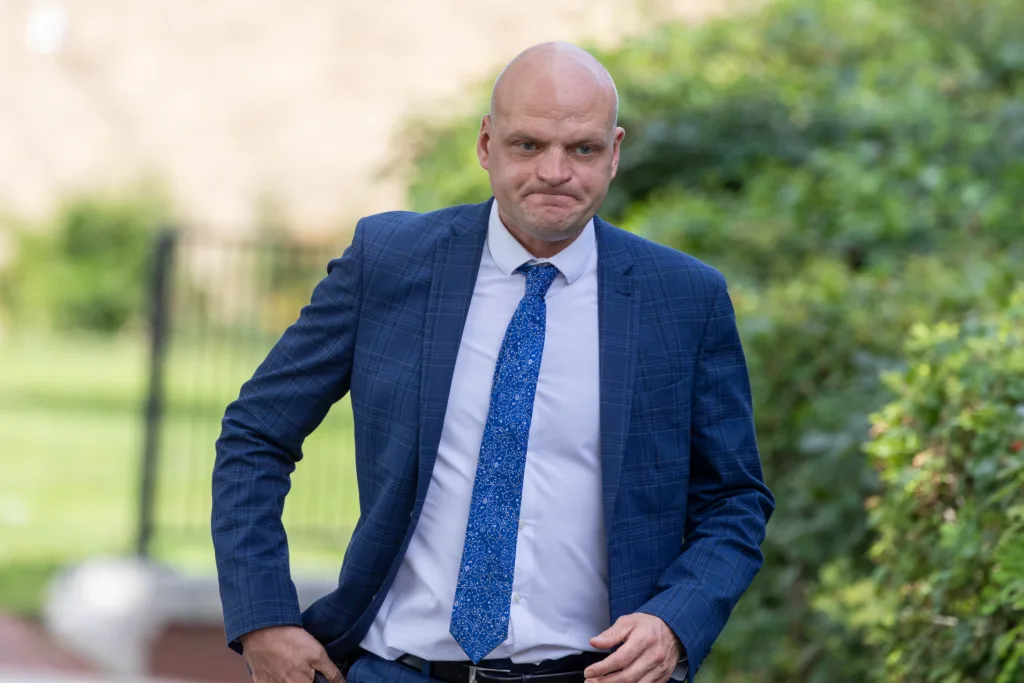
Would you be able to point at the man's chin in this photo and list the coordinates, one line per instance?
(554, 233)
(555, 222)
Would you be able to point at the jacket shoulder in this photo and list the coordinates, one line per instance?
(401, 235)
(671, 265)
(412, 223)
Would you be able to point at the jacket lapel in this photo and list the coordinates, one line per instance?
(455, 268)
(618, 314)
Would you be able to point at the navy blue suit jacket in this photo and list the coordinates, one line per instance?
(685, 503)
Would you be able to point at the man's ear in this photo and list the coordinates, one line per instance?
(483, 141)
(616, 148)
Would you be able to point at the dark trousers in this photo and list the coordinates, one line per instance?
(370, 668)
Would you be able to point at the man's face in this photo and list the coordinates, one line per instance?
(550, 157)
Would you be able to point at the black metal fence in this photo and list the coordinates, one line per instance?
(216, 308)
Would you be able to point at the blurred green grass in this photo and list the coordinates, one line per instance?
(71, 434)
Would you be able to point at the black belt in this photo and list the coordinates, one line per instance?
(565, 670)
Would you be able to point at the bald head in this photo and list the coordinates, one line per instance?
(555, 75)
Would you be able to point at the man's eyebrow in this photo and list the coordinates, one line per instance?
(591, 140)
(520, 135)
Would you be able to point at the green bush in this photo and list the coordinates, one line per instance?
(854, 167)
(89, 269)
(950, 514)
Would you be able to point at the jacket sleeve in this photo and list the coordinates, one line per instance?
(262, 432)
(728, 504)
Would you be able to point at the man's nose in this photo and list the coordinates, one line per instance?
(554, 168)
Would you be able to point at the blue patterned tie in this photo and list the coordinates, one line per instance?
(483, 595)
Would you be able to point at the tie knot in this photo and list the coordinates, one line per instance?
(539, 277)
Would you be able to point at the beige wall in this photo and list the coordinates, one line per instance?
(227, 101)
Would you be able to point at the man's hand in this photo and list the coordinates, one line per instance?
(287, 654)
(649, 652)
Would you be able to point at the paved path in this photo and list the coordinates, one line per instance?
(25, 645)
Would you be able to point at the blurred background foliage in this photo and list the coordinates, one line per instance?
(949, 517)
(854, 167)
(89, 269)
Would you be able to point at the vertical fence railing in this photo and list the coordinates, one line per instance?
(216, 307)
(159, 328)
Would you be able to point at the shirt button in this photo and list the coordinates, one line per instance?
(522, 525)
(516, 598)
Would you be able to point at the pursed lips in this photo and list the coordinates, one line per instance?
(554, 195)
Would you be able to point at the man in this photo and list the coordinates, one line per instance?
(554, 441)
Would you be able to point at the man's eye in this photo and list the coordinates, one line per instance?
(585, 150)
(527, 146)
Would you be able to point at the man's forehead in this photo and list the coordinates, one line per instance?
(554, 121)
(567, 108)
(549, 90)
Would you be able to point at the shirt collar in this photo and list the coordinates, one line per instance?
(509, 254)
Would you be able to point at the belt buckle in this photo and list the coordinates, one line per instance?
(473, 669)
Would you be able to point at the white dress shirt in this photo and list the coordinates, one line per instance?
(560, 582)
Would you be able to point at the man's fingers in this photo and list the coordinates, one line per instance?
(324, 665)
(618, 660)
(614, 635)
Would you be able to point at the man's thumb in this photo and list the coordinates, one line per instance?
(325, 666)
(614, 635)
